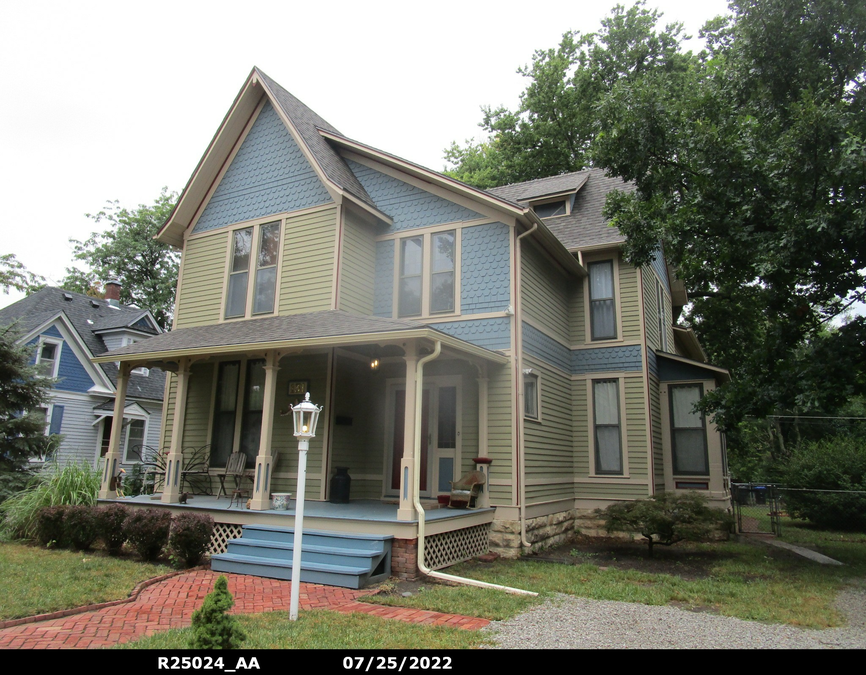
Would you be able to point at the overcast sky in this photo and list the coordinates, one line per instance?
(114, 100)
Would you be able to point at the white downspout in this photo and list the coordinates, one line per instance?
(416, 480)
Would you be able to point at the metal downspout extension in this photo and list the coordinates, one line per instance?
(521, 451)
(416, 481)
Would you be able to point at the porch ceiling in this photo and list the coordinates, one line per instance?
(330, 328)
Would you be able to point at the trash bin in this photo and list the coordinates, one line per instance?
(341, 484)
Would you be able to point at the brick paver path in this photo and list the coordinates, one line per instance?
(170, 604)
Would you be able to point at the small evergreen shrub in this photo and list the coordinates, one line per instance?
(146, 531)
(212, 627)
(109, 525)
(50, 528)
(80, 524)
(190, 537)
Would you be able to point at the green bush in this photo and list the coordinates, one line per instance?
(109, 525)
(837, 463)
(190, 537)
(212, 628)
(80, 525)
(666, 518)
(52, 486)
(50, 527)
(146, 530)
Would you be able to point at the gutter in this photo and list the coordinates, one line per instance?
(416, 482)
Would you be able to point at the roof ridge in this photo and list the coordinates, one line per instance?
(538, 180)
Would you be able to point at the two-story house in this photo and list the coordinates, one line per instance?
(437, 323)
(66, 330)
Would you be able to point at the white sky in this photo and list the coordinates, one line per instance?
(114, 100)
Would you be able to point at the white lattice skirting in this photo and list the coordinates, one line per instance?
(223, 533)
(450, 548)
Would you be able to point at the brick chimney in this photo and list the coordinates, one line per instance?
(112, 292)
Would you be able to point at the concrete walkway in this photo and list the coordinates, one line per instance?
(171, 602)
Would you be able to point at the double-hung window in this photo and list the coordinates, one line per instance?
(135, 434)
(607, 426)
(688, 431)
(47, 358)
(427, 272)
(255, 251)
(602, 304)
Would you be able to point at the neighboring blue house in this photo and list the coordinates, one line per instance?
(67, 330)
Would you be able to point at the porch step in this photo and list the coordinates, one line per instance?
(329, 558)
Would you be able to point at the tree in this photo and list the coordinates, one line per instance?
(127, 251)
(14, 275)
(552, 130)
(212, 627)
(23, 396)
(750, 170)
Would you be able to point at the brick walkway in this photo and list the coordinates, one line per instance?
(170, 604)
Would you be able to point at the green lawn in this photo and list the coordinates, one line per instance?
(38, 580)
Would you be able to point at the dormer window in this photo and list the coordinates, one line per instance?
(241, 296)
(551, 209)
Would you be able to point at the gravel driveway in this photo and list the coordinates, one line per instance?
(566, 622)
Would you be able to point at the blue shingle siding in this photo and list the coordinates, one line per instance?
(383, 285)
(489, 333)
(52, 331)
(604, 359)
(485, 269)
(539, 345)
(268, 175)
(658, 264)
(409, 206)
(71, 375)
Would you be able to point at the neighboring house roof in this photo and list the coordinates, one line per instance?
(585, 226)
(329, 326)
(87, 316)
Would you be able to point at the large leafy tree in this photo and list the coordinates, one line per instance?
(13, 275)
(552, 129)
(127, 251)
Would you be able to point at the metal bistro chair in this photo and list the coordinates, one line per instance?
(236, 469)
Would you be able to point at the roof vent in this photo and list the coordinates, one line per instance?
(93, 303)
(67, 297)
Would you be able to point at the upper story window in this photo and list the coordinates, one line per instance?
(688, 431)
(48, 358)
(254, 250)
(427, 273)
(602, 303)
(551, 209)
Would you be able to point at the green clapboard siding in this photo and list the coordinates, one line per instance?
(580, 424)
(636, 428)
(204, 266)
(306, 281)
(545, 293)
(499, 436)
(198, 406)
(631, 300)
(578, 314)
(650, 304)
(358, 268)
(658, 449)
(548, 443)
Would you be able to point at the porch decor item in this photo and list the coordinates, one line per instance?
(464, 492)
(282, 500)
(305, 416)
(341, 484)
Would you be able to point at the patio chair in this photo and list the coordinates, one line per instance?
(464, 492)
(236, 468)
(195, 475)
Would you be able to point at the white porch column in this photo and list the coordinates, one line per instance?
(108, 489)
(261, 500)
(174, 462)
(406, 510)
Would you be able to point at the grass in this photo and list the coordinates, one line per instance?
(322, 629)
(38, 580)
(466, 600)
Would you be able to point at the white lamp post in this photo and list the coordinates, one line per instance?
(306, 417)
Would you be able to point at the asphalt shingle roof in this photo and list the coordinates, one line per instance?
(36, 309)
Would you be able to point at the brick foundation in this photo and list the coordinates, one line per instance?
(404, 559)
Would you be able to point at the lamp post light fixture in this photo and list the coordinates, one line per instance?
(305, 416)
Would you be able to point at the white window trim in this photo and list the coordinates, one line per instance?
(54, 341)
(617, 298)
(256, 226)
(534, 374)
(622, 427)
(427, 272)
(567, 198)
(127, 421)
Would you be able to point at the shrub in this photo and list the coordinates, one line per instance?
(49, 526)
(109, 525)
(146, 531)
(53, 486)
(212, 628)
(666, 518)
(837, 463)
(80, 525)
(190, 537)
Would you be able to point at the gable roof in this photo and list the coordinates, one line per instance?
(86, 315)
(585, 226)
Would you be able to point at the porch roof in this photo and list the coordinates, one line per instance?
(313, 329)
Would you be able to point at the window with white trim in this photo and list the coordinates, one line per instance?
(135, 435)
(427, 273)
(607, 429)
(242, 297)
(602, 303)
(688, 431)
(531, 398)
(48, 357)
